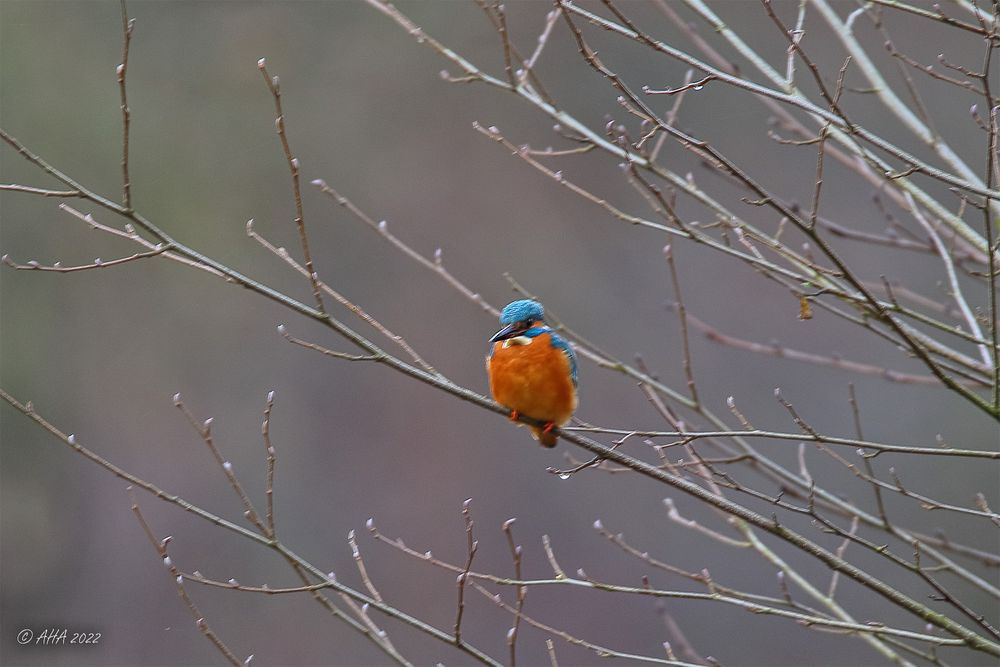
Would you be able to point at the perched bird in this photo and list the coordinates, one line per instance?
(532, 370)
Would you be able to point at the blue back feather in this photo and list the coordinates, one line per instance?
(559, 343)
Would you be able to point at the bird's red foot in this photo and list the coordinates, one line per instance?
(548, 427)
(514, 415)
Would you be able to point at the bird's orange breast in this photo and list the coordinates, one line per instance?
(533, 379)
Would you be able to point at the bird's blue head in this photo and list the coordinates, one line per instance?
(517, 317)
(525, 310)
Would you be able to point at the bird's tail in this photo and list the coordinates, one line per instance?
(544, 439)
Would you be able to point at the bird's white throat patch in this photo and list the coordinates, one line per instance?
(517, 340)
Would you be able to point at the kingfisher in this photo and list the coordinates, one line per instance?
(532, 370)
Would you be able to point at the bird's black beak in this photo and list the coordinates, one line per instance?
(510, 331)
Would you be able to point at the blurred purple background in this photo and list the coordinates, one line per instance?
(101, 353)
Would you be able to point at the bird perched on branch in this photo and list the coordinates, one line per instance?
(532, 370)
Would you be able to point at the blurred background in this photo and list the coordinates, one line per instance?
(100, 353)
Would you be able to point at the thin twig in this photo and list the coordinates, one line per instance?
(522, 591)
(600, 650)
(98, 263)
(274, 85)
(956, 288)
(41, 192)
(344, 301)
(161, 550)
(128, 25)
(471, 547)
(668, 252)
(283, 330)
(204, 430)
(265, 432)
